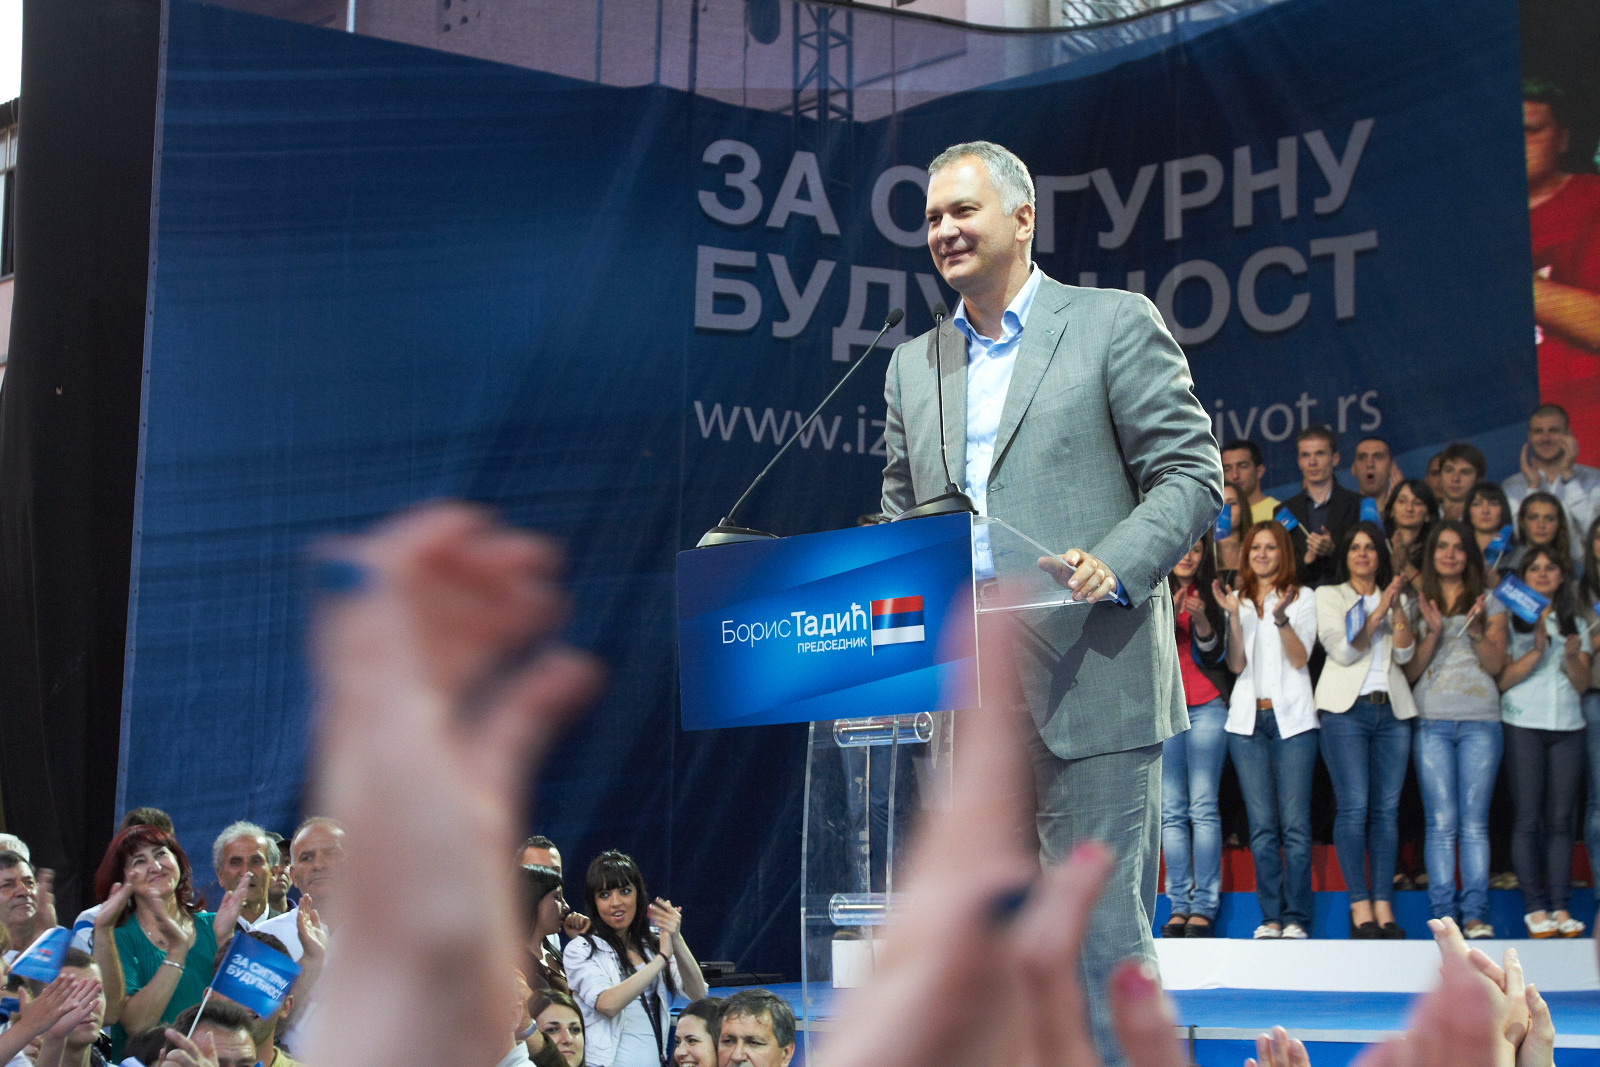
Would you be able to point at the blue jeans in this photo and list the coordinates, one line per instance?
(1591, 826)
(1367, 749)
(1191, 766)
(1456, 767)
(1275, 777)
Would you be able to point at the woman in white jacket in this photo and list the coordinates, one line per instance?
(622, 974)
(1367, 710)
(1272, 725)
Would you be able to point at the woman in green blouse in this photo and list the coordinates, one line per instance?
(167, 946)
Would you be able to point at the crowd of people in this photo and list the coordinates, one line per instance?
(447, 640)
(1364, 627)
(140, 962)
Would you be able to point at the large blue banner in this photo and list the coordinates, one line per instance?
(385, 273)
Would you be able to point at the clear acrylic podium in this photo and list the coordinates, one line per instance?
(866, 776)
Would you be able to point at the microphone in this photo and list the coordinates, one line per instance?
(725, 532)
(952, 501)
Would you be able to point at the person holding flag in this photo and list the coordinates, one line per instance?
(1366, 707)
(1489, 514)
(1546, 672)
(166, 945)
(1458, 738)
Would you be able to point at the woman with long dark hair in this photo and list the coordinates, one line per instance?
(1272, 723)
(624, 975)
(1541, 520)
(1488, 511)
(1546, 672)
(1410, 514)
(1458, 739)
(544, 909)
(1191, 762)
(1366, 710)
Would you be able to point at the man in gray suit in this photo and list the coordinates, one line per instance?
(1070, 414)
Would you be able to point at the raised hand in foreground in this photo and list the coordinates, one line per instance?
(441, 686)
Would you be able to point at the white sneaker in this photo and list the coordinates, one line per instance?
(1295, 932)
(1479, 931)
(1268, 933)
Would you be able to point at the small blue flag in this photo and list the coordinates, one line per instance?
(1224, 524)
(1283, 518)
(1498, 546)
(1369, 512)
(254, 976)
(1520, 600)
(1355, 619)
(42, 960)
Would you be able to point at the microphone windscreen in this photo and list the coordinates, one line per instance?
(893, 320)
(940, 311)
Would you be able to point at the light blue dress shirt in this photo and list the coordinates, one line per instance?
(989, 366)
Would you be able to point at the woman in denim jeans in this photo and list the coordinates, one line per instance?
(1272, 725)
(1458, 741)
(1589, 593)
(1367, 710)
(1547, 669)
(1191, 762)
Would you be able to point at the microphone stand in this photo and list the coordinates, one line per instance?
(952, 501)
(725, 532)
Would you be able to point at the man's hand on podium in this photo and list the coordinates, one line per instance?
(1089, 579)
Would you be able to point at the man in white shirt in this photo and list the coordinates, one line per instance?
(316, 863)
(240, 855)
(1549, 464)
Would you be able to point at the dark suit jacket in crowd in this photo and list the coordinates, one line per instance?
(1344, 511)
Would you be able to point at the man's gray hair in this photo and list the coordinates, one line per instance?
(13, 843)
(234, 830)
(1009, 174)
(753, 1004)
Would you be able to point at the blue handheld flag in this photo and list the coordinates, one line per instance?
(1369, 512)
(1498, 546)
(255, 976)
(42, 960)
(1224, 524)
(1520, 600)
(1283, 518)
(1355, 619)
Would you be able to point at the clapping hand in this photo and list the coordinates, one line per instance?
(1278, 1049)
(1227, 599)
(1318, 544)
(442, 683)
(1432, 617)
(201, 1052)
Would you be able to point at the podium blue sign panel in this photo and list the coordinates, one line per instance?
(874, 620)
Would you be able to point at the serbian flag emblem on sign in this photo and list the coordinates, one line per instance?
(897, 621)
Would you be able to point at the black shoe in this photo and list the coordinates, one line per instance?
(1367, 931)
(1177, 926)
(1391, 932)
(1200, 930)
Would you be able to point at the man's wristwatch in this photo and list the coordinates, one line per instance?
(1280, 623)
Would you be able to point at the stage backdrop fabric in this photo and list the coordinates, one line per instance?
(385, 274)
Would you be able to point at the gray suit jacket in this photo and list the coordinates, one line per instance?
(1102, 446)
